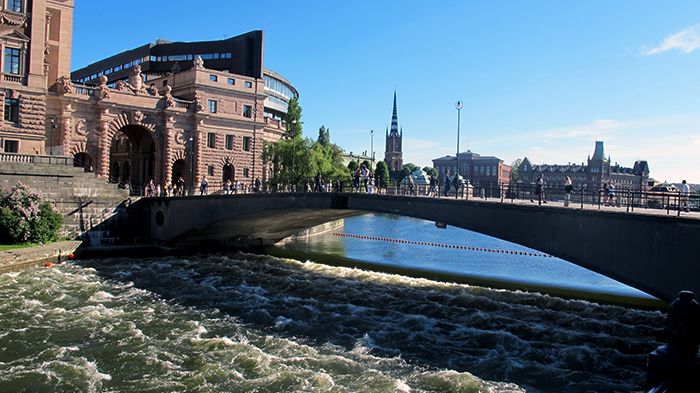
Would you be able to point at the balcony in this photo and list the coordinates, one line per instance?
(12, 78)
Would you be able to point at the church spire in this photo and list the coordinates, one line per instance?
(394, 119)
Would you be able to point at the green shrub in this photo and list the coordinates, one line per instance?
(25, 218)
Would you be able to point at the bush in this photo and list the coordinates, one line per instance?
(25, 218)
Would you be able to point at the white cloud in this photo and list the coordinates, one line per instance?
(597, 129)
(685, 41)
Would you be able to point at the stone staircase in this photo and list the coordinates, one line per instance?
(82, 198)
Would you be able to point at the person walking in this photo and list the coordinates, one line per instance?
(203, 186)
(568, 187)
(539, 190)
(685, 196)
(431, 190)
(447, 183)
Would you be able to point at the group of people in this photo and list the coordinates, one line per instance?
(363, 179)
(175, 188)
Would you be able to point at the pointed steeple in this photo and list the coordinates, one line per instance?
(394, 119)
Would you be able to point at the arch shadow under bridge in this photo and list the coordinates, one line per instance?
(656, 254)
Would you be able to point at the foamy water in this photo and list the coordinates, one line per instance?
(258, 323)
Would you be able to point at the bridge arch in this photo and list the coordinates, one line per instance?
(656, 254)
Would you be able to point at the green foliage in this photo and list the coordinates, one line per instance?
(431, 171)
(353, 165)
(382, 174)
(407, 170)
(293, 119)
(367, 164)
(515, 170)
(295, 160)
(25, 218)
(324, 136)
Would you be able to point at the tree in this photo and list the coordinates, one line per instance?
(382, 174)
(293, 119)
(515, 170)
(367, 164)
(352, 166)
(324, 136)
(25, 218)
(431, 171)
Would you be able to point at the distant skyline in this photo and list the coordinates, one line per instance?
(539, 79)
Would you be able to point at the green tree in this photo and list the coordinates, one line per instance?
(352, 166)
(293, 119)
(324, 136)
(407, 170)
(515, 170)
(25, 218)
(431, 171)
(382, 174)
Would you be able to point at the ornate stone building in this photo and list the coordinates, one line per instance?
(36, 49)
(393, 155)
(479, 170)
(159, 111)
(591, 175)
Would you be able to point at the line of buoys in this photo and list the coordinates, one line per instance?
(432, 244)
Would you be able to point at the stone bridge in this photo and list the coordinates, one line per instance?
(656, 254)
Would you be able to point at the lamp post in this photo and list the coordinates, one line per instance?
(458, 105)
(294, 154)
(371, 144)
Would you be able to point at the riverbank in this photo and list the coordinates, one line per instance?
(21, 258)
(603, 298)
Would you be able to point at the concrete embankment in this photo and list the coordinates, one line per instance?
(24, 258)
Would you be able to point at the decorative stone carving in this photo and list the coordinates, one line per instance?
(153, 90)
(136, 80)
(168, 97)
(12, 19)
(180, 137)
(80, 128)
(138, 117)
(199, 63)
(198, 102)
(64, 85)
(102, 91)
(121, 86)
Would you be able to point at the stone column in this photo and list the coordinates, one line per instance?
(103, 143)
(65, 124)
(168, 146)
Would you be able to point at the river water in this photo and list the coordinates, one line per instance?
(242, 322)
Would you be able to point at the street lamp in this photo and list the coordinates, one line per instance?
(458, 105)
(371, 149)
(191, 140)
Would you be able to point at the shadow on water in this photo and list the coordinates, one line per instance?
(540, 342)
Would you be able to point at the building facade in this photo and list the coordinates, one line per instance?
(393, 156)
(157, 112)
(36, 47)
(483, 171)
(591, 175)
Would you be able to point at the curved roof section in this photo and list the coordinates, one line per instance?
(273, 74)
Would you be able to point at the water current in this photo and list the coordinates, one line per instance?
(241, 322)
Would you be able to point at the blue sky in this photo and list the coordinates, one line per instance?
(542, 79)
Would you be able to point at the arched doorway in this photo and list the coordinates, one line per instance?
(82, 160)
(114, 174)
(227, 173)
(180, 170)
(133, 149)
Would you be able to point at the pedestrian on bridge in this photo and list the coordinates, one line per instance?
(203, 186)
(685, 195)
(568, 187)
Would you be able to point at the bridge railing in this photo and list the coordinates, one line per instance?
(628, 199)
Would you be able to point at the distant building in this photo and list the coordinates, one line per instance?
(592, 175)
(393, 154)
(359, 158)
(479, 170)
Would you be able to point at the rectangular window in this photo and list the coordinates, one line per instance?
(14, 5)
(246, 143)
(210, 170)
(165, 83)
(246, 173)
(213, 78)
(231, 81)
(211, 140)
(247, 111)
(11, 146)
(12, 110)
(213, 106)
(229, 142)
(248, 84)
(12, 56)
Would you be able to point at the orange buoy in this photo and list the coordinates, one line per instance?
(48, 264)
(71, 256)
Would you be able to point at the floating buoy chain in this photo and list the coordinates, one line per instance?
(443, 245)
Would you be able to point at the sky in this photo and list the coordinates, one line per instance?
(538, 79)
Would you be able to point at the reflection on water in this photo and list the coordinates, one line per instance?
(489, 265)
(257, 323)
